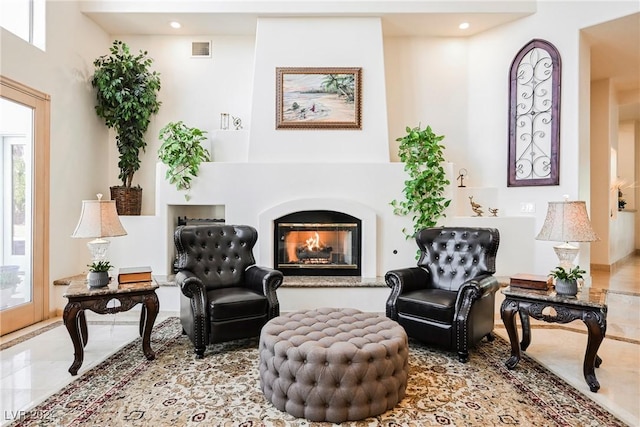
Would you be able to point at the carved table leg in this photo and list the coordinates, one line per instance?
(71, 319)
(526, 330)
(508, 312)
(82, 324)
(596, 326)
(149, 312)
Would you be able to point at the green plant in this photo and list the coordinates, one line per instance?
(100, 266)
(571, 274)
(422, 154)
(182, 152)
(126, 98)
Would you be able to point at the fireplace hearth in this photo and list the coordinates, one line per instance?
(318, 243)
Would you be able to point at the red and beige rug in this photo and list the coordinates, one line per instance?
(223, 390)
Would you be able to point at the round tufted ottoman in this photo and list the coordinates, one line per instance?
(332, 364)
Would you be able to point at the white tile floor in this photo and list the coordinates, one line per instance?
(36, 368)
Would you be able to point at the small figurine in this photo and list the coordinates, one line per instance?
(475, 207)
(493, 212)
(461, 174)
(237, 122)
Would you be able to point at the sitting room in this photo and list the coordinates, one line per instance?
(315, 193)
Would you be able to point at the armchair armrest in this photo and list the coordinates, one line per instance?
(265, 281)
(400, 281)
(193, 288)
(189, 284)
(476, 288)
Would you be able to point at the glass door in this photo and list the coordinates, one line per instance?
(24, 134)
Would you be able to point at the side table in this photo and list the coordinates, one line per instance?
(588, 306)
(99, 300)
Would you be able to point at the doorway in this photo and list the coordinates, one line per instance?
(24, 200)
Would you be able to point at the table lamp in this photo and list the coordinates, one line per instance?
(566, 222)
(98, 219)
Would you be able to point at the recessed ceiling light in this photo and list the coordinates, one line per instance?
(463, 26)
(175, 24)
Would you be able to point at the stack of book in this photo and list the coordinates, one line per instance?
(530, 281)
(134, 274)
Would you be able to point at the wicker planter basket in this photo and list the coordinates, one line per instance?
(128, 200)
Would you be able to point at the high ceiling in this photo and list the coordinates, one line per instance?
(615, 45)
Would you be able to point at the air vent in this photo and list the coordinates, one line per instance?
(201, 49)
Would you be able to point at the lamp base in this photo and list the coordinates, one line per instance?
(566, 253)
(98, 248)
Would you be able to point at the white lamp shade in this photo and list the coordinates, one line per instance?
(567, 222)
(99, 218)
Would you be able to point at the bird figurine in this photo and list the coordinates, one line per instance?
(475, 207)
(493, 212)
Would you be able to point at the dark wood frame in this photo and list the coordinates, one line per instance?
(283, 123)
(554, 155)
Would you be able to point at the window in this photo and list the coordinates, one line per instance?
(534, 116)
(26, 19)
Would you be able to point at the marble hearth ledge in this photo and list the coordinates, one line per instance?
(296, 281)
(309, 281)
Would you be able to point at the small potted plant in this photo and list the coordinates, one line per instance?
(182, 152)
(99, 274)
(566, 281)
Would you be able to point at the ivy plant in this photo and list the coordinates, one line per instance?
(126, 91)
(182, 152)
(423, 155)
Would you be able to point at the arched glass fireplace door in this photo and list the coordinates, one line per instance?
(318, 243)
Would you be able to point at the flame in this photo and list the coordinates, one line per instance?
(313, 243)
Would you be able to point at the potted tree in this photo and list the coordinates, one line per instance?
(182, 152)
(566, 281)
(98, 274)
(422, 154)
(126, 92)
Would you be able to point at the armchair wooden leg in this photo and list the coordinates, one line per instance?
(490, 337)
(463, 356)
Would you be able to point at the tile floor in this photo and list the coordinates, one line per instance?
(36, 368)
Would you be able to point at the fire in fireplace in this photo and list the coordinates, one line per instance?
(317, 243)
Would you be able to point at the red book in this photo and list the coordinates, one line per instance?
(134, 274)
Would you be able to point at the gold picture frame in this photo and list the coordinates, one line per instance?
(318, 98)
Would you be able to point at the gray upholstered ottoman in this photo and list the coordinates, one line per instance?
(333, 364)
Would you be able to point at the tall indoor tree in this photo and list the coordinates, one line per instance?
(127, 97)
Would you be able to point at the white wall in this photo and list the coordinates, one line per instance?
(319, 42)
(427, 85)
(490, 55)
(195, 90)
(78, 147)
(459, 87)
(627, 162)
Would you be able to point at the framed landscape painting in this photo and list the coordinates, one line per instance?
(318, 98)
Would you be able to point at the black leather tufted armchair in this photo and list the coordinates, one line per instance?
(225, 296)
(449, 298)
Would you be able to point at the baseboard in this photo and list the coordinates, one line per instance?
(616, 265)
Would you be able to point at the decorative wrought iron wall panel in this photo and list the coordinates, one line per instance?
(534, 116)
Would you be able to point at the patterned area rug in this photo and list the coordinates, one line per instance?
(223, 390)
